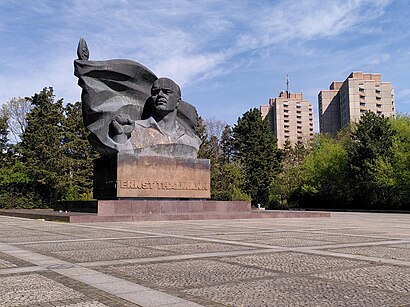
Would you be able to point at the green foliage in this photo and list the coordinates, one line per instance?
(256, 149)
(54, 160)
(324, 175)
(367, 165)
(228, 178)
(3, 135)
(79, 155)
(16, 188)
(372, 140)
(391, 173)
(41, 146)
(227, 174)
(286, 185)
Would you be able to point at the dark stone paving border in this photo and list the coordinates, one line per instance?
(16, 261)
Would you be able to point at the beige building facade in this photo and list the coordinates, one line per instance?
(346, 101)
(290, 117)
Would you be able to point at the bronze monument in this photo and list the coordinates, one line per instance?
(143, 129)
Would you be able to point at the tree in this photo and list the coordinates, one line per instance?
(41, 147)
(391, 173)
(287, 184)
(79, 155)
(214, 127)
(3, 137)
(257, 151)
(16, 110)
(372, 139)
(227, 144)
(324, 175)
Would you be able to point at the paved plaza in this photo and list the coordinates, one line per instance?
(350, 259)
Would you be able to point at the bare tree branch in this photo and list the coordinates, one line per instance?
(17, 109)
(214, 127)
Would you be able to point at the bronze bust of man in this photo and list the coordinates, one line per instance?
(159, 134)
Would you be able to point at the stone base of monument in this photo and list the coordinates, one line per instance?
(170, 210)
(119, 176)
(150, 188)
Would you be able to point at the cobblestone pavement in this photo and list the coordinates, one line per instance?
(350, 259)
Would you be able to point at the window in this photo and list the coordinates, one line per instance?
(285, 105)
(362, 97)
(286, 120)
(286, 111)
(378, 98)
(378, 105)
(286, 126)
(311, 129)
(362, 104)
(377, 91)
(299, 122)
(299, 127)
(298, 116)
(298, 106)
(361, 89)
(286, 116)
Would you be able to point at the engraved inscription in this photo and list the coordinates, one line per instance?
(162, 185)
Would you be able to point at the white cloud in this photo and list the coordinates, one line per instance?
(185, 40)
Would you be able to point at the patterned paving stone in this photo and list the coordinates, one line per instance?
(384, 277)
(108, 254)
(353, 231)
(33, 289)
(292, 262)
(185, 274)
(31, 238)
(84, 304)
(197, 248)
(386, 251)
(51, 289)
(5, 264)
(154, 241)
(335, 238)
(407, 246)
(106, 234)
(7, 261)
(296, 292)
(67, 246)
(291, 242)
(244, 236)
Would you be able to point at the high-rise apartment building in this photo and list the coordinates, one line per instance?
(345, 101)
(290, 117)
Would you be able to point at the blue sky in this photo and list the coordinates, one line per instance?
(228, 56)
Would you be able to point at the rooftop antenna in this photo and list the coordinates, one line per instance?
(287, 85)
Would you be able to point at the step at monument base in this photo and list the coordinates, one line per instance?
(172, 210)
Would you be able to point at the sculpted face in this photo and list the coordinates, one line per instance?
(165, 94)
